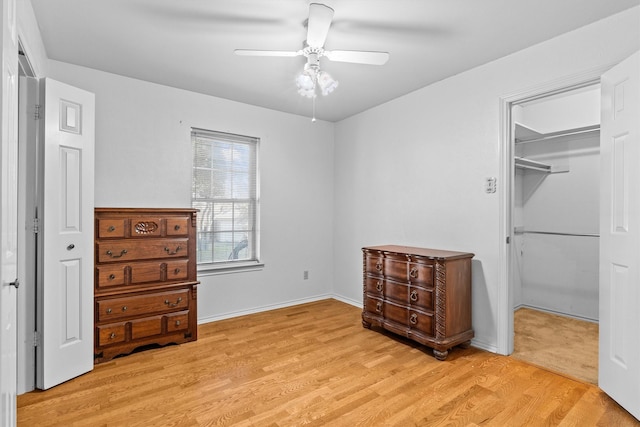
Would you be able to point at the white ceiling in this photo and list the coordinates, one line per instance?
(189, 44)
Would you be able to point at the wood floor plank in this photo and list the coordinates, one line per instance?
(315, 364)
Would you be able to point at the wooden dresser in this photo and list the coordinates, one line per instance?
(145, 279)
(422, 294)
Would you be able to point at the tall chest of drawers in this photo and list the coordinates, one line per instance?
(422, 294)
(145, 285)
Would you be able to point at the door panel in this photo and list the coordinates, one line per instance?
(65, 285)
(619, 358)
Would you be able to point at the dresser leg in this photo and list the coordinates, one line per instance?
(465, 344)
(366, 324)
(440, 355)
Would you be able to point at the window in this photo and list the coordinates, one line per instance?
(225, 192)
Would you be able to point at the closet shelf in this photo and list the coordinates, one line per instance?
(519, 230)
(528, 164)
(525, 134)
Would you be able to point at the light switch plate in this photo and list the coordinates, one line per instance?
(490, 185)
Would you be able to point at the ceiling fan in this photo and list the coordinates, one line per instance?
(318, 24)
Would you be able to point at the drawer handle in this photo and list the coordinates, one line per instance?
(71, 246)
(413, 319)
(379, 307)
(112, 276)
(379, 286)
(170, 304)
(109, 311)
(379, 266)
(177, 323)
(111, 228)
(112, 336)
(122, 252)
(413, 273)
(414, 296)
(174, 252)
(177, 227)
(176, 271)
(124, 308)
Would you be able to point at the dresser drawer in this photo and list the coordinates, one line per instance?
(398, 292)
(177, 321)
(110, 228)
(178, 226)
(132, 306)
(396, 313)
(421, 273)
(396, 269)
(147, 327)
(421, 297)
(374, 286)
(373, 305)
(111, 334)
(177, 270)
(110, 275)
(420, 321)
(374, 264)
(139, 249)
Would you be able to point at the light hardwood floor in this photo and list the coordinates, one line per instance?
(314, 364)
(559, 343)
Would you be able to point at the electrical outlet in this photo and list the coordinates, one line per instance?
(306, 275)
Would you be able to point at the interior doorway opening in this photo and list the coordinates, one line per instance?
(554, 247)
(27, 223)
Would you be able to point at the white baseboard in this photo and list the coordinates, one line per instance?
(260, 309)
(559, 313)
(349, 301)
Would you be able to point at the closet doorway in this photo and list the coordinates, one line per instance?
(555, 240)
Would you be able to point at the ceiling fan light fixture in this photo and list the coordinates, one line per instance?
(306, 82)
(326, 82)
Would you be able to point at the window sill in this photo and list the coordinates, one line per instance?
(241, 267)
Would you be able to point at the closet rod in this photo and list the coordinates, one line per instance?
(553, 135)
(557, 233)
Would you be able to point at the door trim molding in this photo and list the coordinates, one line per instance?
(507, 168)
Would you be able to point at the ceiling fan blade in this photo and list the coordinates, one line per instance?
(250, 52)
(320, 17)
(357, 56)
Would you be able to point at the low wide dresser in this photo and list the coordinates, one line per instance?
(422, 294)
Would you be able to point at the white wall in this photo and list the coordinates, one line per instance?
(411, 171)
(560, 273)
(143, 159)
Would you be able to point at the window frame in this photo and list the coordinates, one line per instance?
(228, 266)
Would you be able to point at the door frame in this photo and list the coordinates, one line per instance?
(505, 331)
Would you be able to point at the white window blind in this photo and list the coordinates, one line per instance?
(225, 192)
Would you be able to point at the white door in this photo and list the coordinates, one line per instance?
(8, 213)
(619, 359)
(65, 279)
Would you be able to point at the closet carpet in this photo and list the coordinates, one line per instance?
(560, 344)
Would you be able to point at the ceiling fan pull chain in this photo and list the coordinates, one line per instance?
(313, 118)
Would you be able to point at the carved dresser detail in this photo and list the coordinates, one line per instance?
(422, 294)
(145, 285)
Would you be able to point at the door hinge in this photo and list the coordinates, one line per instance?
(36, 338)
(36, 115)
(508, 239)
(36, 225)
